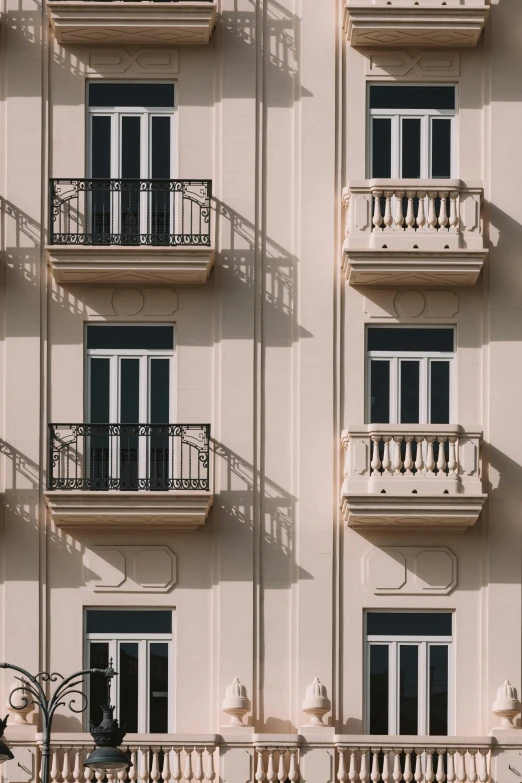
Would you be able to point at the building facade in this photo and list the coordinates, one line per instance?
(259, 395)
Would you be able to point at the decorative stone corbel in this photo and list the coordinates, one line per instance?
(316, 703)
(236, 703)
(507, 706)
(20, 702)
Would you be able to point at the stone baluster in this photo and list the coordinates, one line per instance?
(342, 774)
(176, 766)
(408, 459)
(155, 769)
(386, 461)
(133, 769)
(122, 776)
(483, 773)
(198, 772)
(260, 771)
(281, 772)
(419, 460)
(452, 456)
(386, 773)
(432, 216)
(410, 213)
(399, 217)
(397, 459)
(54, 771)
(100, 776)
(293, 772)
(77, 767)
(143, 765)
(388, 219)
(88, 774)
(443, 216)
(418, 776)
(461, 773)
(165, 769)
(472, 768)
(187, 771)
(451, 776)
(430, 458)
(211, 772)
(421, 215)
(408, 774)
(270, 770)
(440, 777)
(377, 216)
(441, 457)
(454, 216)
(352, 772)
(66, 767)
(110, 775)
(376, 462)
(363, 772)
(429, 775)
(375, 775)
(397, 773)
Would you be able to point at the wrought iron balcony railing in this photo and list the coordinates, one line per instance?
(129, 457)
(160, 212)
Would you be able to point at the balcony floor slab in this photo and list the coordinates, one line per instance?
(120, 264)
(457, 512)
(386, 266)
(174, 510)
(405, 24)
(111, 22)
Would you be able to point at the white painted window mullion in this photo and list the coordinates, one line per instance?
(393, 691)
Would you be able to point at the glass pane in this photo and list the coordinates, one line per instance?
(408, 623)
(130, 169)
(440, 148)
(381, 148)
(99, 391)
(159, 688)
(379, 392)
(98, 465)
(101, 147)
(125, 94)
(98, 659)
(129, 414)
(411, 148)
(410, 390)
(412, 97)
(379, 677)
(397, 339)
(408, 689)
(134, 338)
(116, 621)
(159, 414)
(439, 392)
(130, 146)
(438, 690)
(128, 683)
(160, 169)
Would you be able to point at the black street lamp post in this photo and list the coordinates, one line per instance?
(107, 736)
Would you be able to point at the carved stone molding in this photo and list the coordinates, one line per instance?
(132, 61)
(130, 569)
(410, 570)
(411, 305)
(131, 302)
(421, 65)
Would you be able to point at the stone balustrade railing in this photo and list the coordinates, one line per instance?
(387, 210)
(438, 458)
(419, 759)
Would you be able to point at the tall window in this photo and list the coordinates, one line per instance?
(129, 382)
(408, 672)
(412, 131)
(131, 137)
(410, 375)
(139, 641)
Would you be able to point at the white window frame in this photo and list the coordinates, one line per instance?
(423, 643)
(425, 359)
(143, 641)
(145, 358)
(426, 116)
(146, 114)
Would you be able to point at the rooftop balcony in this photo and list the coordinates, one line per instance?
(413, 232)
(412, 475)
(425, 23)
(129, 474)
(123, 22)
(130, 230)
